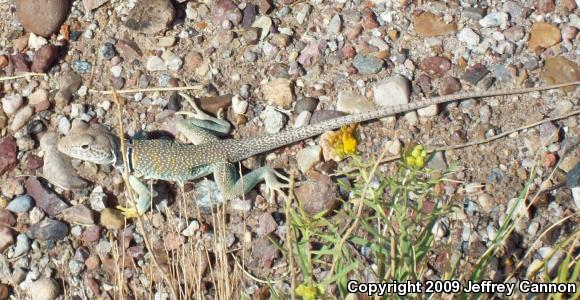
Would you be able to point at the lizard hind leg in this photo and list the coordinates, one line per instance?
(199, 127)
(212, 123)
(231, 186)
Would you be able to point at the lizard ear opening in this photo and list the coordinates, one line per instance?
(85, 146)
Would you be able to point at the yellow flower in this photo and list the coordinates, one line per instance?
(309, 292)
(344, 142)
(415, 156)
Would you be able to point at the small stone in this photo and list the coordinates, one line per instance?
(78, 214)
(20, 204)
(92, 234)
(225, 10)
(311, 53)
(12, 103)
(558, 69)
(6, 237)
(151, 17)
(57, 166)
(155, 64)
(63, 125)
(19, 62)
(429, 111)
(23, 244)
(166, 41)
(569, 33)
(469, 37)
(239, 106)
(107, 50)
(191, 229)
(266, 224)
(69, 82)
(8, 152)
(251, 36)
(546, 6)
(308, 157)
(21, 118)
(82, 66)
(544, 35)
(302, 119)
(449, 86)
(44, 289)
(48, 229)
(392, 91)
(112, 219)
(305, 104)
(193, 60)
(473, 13)
(6, 218)
(367, 64)
(369, 20)
(42, 17)
(274, 120)
(335, 25)
(435, 66)
(427, 24)
(475, 73)
(353, 103)
(129, 50)
(496, 19)
(317, 194)
(44, 58)
(3, 61)
(514, 34)
(172, 61)
(249, 15)
(278, 92)
(93, 4)
(264, 252)
(45, 199)
(39, 100)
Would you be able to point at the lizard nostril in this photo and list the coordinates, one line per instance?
(85, 146)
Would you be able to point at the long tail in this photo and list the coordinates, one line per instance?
(260, 144)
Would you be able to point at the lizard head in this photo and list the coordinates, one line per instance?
(90, 142)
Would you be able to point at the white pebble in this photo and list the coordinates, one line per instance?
(239, 106)
(116, 71)
(63, 125)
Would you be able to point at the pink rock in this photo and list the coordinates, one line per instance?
(92, 4)
(6, 237)
(225, 10)
(45, 199)
(44, 58)
(435, 66)
(8, 152)
(311, 52)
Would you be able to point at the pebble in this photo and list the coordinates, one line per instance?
(12, 103)
(367, 64)
(63, 125)
(7, 218)
(21, 118)
(302, 119)
(44, 289)
(78, 214)
(6, 237)
(191, 229)
(352, 103)
(92, 234)
(116, 71)
(171, 60)
(310, 53)
(44, 58)
(39, 100)
(239, 106)
(427, 24)
(266, 224)
(437, 161)
(23, 244)
(112, 219)
(48, 229)
(495, 19)
(278, 92)
(392, 91)
(486, 202)
(45, 199)
(469, 37)
(57, 167)
(308, 157)
(559, 69)
(274, 120)
(82, 66)
(435, 66)
(475, 73)
(93, 4)
(107, 51)
(8, 152)
(225, 10)
(207, 194)
(155, 64)
(473, 13)
(317, 194)
(249, 15)
(20, 204)
(151, 17)
(42, 17)
(449, 86)
(544, 35)
(335, 25)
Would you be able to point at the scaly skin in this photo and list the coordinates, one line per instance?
(173, 161)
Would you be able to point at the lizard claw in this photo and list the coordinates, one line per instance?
(128, 212)
(273, 185)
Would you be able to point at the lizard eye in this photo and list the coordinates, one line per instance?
(85, 146)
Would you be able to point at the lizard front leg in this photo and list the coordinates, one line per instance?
(231, 186)
(143, 200)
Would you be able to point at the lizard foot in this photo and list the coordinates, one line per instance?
(128, 211)
(273, 185)
(198, 114)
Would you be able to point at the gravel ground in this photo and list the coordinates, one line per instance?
(266, 66)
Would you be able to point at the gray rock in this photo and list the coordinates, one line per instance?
(48, 229)
(469, 37)
(367, 64)
(352, 103)
(308, 157)
(23, 244)
(274, 120)
(335, 25)
(44, 289)
(494, 20)
(20, 204)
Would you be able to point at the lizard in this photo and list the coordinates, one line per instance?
(208, 154)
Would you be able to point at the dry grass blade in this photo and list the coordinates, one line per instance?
(156, 89)
(25, 75)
